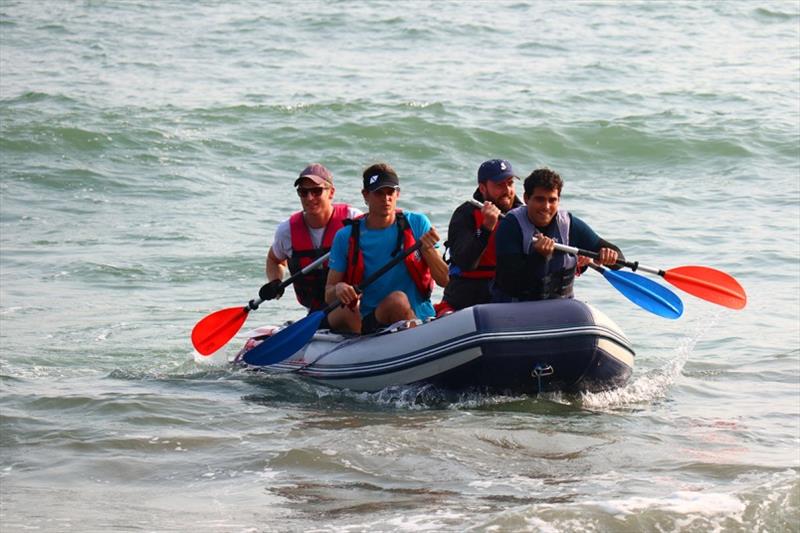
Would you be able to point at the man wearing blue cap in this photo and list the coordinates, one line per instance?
(470, 237)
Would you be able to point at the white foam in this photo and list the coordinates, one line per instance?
(218, 358)
(440, 520)
(680, 502)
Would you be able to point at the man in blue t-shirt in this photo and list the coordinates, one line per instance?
(370, 242)
(528, 265)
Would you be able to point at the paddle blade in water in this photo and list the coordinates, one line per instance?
(646, 293)
(709, 284)
(212, 332)
(286, 342)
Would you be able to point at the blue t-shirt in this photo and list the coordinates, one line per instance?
(377, 246)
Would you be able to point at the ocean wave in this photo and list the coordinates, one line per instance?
(772, 14)
(38, 97)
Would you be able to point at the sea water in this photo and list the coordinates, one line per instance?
(148, 152)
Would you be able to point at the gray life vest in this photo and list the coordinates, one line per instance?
(553, 277)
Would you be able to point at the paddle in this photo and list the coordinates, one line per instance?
(212, 332)
(290, 339)
(701, 281)
(644, 292)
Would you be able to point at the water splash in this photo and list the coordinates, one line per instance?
(653, 385)
(422, 397)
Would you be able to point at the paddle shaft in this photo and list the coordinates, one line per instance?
(255, 302)
(308, 268)
(633, 265)
(378, 273)
(588, 253)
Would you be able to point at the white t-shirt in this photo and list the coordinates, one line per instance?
(282, 244)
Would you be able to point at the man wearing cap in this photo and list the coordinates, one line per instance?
(305, 236)
(367, 244)
(470, 237)
(528, 265)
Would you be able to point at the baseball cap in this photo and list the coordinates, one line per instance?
(381, 179)
(317, 173)
(495, 170)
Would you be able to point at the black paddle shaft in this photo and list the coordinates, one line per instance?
(378, 273)
(252, 305)
(633, 265)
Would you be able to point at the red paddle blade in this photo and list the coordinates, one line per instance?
(709, 284)
(212, 332)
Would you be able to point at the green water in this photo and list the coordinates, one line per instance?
(148, 151)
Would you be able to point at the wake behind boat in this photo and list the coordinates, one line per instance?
(526, 347)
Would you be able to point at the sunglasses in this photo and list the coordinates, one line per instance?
(316, 192)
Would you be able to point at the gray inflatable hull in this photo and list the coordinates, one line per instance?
(526, 347)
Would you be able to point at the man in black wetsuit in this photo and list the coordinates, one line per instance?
(528, 266)
(471, 237)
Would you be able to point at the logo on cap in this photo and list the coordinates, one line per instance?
(373, 179)
(502, 165)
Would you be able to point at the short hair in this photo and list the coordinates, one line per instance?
(378, 168)
(543, 177)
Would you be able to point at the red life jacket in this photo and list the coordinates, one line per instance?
(488, 260)
(310, 288)
(417, 267)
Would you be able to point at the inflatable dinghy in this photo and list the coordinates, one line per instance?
(525, 347)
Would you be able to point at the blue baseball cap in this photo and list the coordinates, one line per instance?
(495, 170)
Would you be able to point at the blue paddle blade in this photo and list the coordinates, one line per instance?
(645, 293)
(286, 342)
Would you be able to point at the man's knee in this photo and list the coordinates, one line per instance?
(395, 306)
(345, 320)
(397, 300)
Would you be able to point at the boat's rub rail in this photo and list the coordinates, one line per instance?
(451, 346)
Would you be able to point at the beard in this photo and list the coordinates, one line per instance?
(503, 202)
